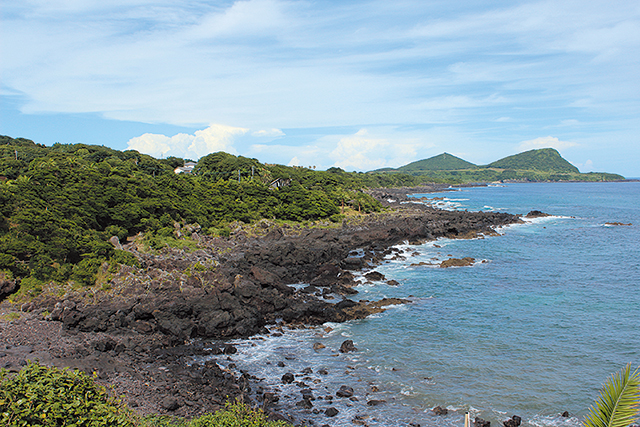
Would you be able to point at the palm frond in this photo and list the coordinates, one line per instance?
(619, 401)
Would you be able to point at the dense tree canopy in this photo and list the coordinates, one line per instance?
(60, 205)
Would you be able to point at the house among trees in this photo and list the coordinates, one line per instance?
(280, 183)
(187, 168)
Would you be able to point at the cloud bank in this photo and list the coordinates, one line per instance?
(214, 138)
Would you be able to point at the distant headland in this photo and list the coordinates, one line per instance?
(544, 164)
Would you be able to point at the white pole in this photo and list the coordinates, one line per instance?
(466, 420)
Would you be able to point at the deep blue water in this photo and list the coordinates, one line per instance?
(534, 330)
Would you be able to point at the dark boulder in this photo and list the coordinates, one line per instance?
(479, 422)
(374, 276)
(331, 412)
(347, 346)
(514, 421)
(345, 391)
(439, 410)
(288, 378)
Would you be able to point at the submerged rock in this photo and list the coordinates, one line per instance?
(439, 410)
(345, 391)
(347, 346)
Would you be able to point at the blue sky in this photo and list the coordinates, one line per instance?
(359, 85)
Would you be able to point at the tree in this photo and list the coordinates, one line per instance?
(619, 401)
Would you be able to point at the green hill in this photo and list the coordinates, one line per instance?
(441, 162)
(545, 159)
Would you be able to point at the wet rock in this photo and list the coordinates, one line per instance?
(393, 283)
(331, 412)
(375, 276)
(617, 224)
(229, 349)
(281, 364)
(288, 378)
(307, 371)
(566, 414)
(318, 346)
(457, 262)
(347, 346)
(514, 421)
(307, 394)
(323, 371)
(345, 391)
(376, 402)
(479, 422)
(536, 214)
(439, 410)
(304, 404)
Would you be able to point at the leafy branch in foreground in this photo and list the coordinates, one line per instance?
(619, 401)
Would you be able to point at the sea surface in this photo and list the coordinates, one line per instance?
(545, 315)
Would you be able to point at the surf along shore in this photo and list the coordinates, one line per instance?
(140, 330)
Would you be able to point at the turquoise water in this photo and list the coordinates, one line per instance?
(534, 330)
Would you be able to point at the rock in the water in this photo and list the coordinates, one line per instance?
(513, 422)
(375, 276)
(331, 412)
(347, 346)
(345, 391)
(323, 371)
(439, 410)
(305, 403)
(457, 262)
(376, 402)
(566, 414)
(536, 214)
(479, 422)
(617, 224)
(393, 283)
(288, 378)
(318, 346)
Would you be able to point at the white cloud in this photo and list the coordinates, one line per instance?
(294, 162)
(268, 133)
(363, 151)
(214, 138)
(546, 142)
(243, 18)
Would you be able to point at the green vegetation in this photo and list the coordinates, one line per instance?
(545, 159)
(545, 164)
(51, 397)
(619, 401)
(441, 162)
(60, 205)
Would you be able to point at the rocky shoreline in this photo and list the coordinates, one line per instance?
(140, 329)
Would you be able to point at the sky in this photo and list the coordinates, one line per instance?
(359, 85)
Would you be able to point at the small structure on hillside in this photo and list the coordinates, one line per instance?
(187, 168)
(280, 183)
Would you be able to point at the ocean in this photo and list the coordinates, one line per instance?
(546, 314)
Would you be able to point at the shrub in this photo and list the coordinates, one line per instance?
(237, 415)
(48, 397)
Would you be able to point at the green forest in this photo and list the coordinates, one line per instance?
(60, 205)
